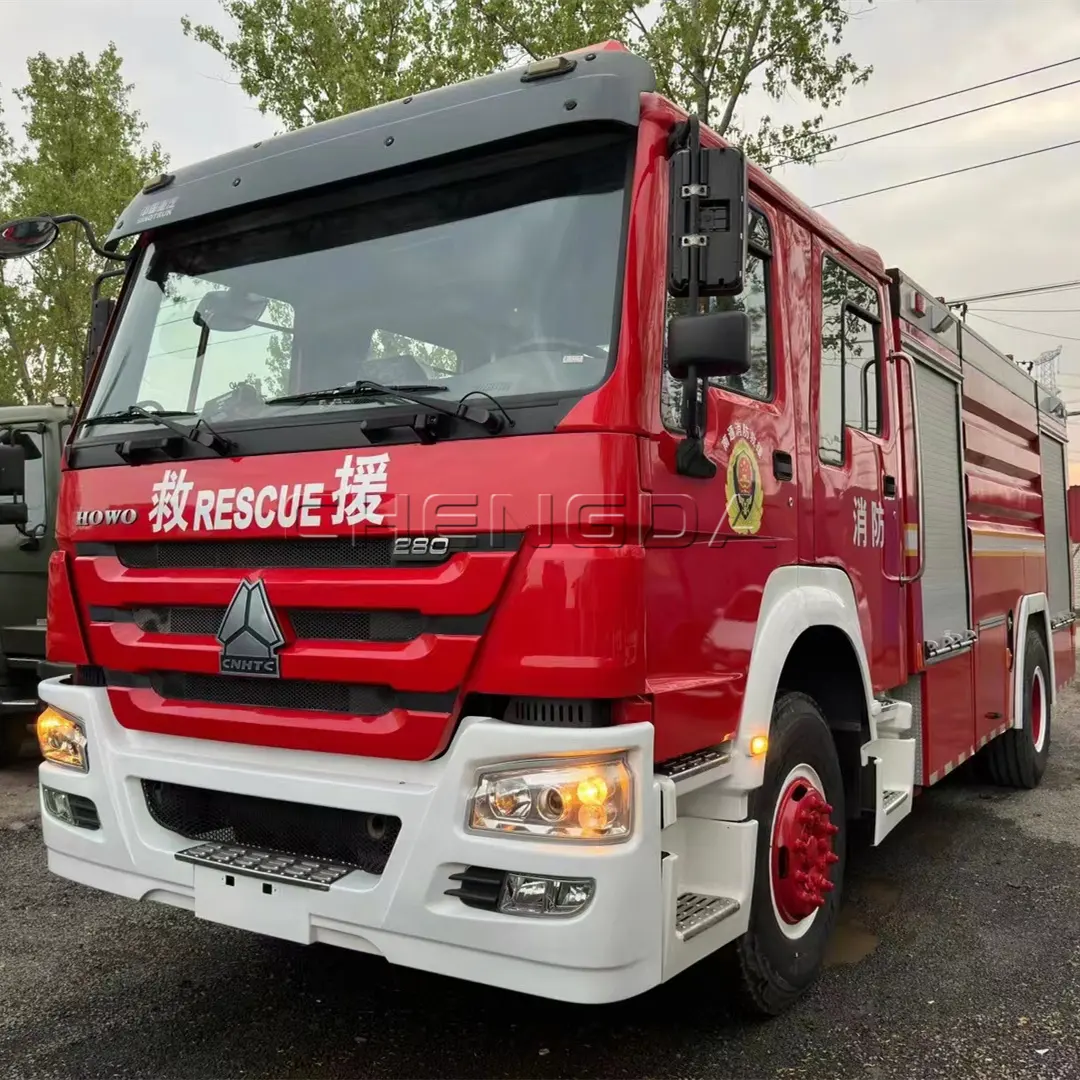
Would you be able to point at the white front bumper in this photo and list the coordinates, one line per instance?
(611, 951)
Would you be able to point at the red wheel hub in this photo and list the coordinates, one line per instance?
(802, 853)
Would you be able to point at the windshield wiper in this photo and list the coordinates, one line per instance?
(357, 389)
(490, 422)
(201, 432)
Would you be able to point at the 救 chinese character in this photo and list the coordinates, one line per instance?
(170, 496)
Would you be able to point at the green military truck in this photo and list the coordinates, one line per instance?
(32, 438)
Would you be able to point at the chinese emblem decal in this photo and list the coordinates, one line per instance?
(744, 492)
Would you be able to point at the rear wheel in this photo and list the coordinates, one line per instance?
(800, 859)
(1018, 757)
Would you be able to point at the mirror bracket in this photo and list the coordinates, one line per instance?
(91, 239)
(707, 257)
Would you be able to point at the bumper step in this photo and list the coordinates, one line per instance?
(695, 913)
(267, 865)
(698, 761)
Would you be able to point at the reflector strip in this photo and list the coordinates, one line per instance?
(268, 865)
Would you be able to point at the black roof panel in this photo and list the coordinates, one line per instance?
(399, 133)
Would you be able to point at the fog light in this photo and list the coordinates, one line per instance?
(57, 804)
(591, 799)
(62, 739)
(533, 894)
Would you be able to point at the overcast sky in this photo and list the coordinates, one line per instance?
(1005, 227)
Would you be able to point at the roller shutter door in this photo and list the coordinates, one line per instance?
(1055, 525)
(944, 582)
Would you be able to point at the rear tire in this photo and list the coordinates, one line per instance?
(1018, 757)
(780, 955)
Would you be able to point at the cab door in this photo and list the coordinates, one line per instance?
(704, 587)
(857, 461)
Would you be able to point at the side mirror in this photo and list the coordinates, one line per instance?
(709, 215)
(26, 236)
(12, 470)
(229, 311)
(14, 513)
(715, 344)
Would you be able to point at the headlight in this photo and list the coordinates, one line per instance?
(575, 800)
(61, 739)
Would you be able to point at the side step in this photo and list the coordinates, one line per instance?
(893, 760)
(892, 800)
(695, 913)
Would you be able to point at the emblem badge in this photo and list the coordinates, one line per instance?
(250, 635)
(744, 492)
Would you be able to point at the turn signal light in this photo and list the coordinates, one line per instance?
(758, 745)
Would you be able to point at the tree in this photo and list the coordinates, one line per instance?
(82, 153)
(309, 60)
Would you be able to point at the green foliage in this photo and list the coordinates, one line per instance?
(309, 60)
(81, 152)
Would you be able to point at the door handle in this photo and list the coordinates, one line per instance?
(889, 487)
(782, 466)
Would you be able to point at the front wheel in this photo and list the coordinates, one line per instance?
(801, 851)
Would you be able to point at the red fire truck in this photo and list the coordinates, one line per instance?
(507, 534)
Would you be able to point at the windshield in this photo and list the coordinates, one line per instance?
(503, 283)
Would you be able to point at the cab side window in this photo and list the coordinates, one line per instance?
(757, 383)
(850, 377)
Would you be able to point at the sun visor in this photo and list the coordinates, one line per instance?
(596, 87)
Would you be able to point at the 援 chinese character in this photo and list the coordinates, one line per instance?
(362, 482)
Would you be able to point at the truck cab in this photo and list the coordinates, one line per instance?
(32, 435)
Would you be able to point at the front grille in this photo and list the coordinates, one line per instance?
(359, 552)
(326, 624)
(178, 620)
(293, 695)
(317, 832)
(355, 552)
(356, 625)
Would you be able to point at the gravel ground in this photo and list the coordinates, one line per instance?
(958, 956)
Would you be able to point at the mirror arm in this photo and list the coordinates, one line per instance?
(91, 239)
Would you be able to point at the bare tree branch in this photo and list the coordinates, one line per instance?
(744, 68)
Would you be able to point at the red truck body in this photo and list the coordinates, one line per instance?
(885, 556)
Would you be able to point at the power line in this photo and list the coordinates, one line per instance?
(951, 172)
(1060, 286)
(939, 120)
(951, 94)
(1025, 329)
(1033, 310)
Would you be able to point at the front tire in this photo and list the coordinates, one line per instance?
(801, 855)
(1017, 758)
